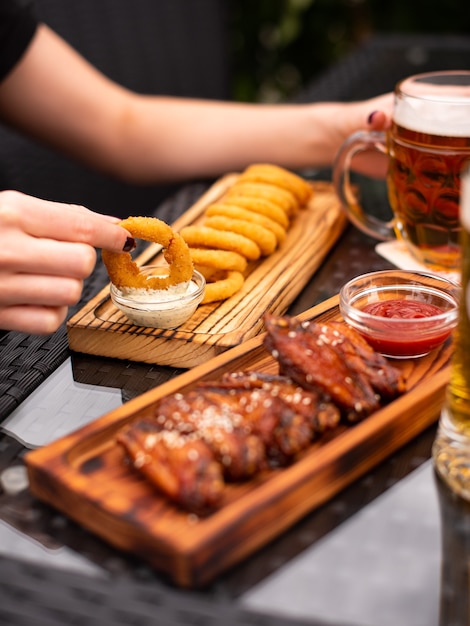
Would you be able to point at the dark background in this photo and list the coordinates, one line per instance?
(280, 45)
(247, 50)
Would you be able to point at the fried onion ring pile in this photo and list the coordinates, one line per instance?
(279, 177)
(249, 222)
(125, 273)
(278, 196)
(239, 213)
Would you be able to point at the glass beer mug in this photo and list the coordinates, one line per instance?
(427, 145)
(451, 449)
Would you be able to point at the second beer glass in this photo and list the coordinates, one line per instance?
(451, 450)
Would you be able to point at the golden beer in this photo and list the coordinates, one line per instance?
(427, 146)
(451, 450)
(423, 184)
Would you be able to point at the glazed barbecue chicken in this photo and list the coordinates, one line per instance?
(230, 429)
(334, 361)
(245, 423)
(321, 415)
(180, 465)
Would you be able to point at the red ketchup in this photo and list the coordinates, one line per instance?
(400, 341)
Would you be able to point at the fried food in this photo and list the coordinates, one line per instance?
(361, 357)
(239, 213)
(221, 284)
(322, 415)
(248, 429)
(219, 424)
(250, 220)
(263, 238)
(194, 442)
(279, 177)
(282, 198)
(124, 272)
(180, 465)
(319, 357)
(218, 259)
(262, 206)
(283, 430)
(203, 236)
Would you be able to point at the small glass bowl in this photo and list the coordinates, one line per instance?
(149, 308)
(400, 337)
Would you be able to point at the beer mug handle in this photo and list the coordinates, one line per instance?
(360, 141)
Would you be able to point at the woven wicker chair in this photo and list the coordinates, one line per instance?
(176, 47)
(376, 66)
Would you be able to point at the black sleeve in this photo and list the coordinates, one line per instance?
(18, 24)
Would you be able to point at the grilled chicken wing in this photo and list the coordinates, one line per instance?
(218, 422)
(180, 465)
(249, 414)
(385, 379)
(322, 415)
(233, 427)
(322, 358)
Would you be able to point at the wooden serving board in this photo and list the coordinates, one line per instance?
(85, 474)
(271, 285)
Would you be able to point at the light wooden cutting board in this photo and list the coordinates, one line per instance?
(271, 285)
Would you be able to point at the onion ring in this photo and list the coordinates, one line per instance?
(274, 175)
(263, 207)
(124, 272)
(239, 213)
(218, 259)
(222, 285)
(263, 237)
(197, 236)
(276, 195)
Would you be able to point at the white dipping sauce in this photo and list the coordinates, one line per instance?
(159, 308)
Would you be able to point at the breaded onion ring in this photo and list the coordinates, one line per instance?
(222, 285)
(239, 213)
(218, 259)
(263, 207)
(274, 175)
(124, 272)
(263, 237)
(276, 195)
(197, 236)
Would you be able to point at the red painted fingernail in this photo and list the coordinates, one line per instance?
(370, 119)
(129, 245)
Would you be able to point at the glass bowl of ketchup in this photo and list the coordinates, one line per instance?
(402, 314)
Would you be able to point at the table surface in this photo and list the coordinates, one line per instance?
(392, 548)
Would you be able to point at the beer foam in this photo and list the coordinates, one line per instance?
(437, 117)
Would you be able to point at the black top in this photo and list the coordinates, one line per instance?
(17, 27)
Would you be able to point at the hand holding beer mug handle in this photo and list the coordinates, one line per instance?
(362, 141)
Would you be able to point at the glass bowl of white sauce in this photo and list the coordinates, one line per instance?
(160, 308)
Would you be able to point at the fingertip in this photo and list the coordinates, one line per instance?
(129, 244)
(371, 117)
(378, 120)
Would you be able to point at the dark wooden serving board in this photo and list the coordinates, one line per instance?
(271, 284)
(85, 475)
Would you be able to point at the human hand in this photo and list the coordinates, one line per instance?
(379, 118)
(47, 249)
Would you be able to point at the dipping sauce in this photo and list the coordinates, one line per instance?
(401, 313)
(164, 309)
(404, 309)
(402, 341)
